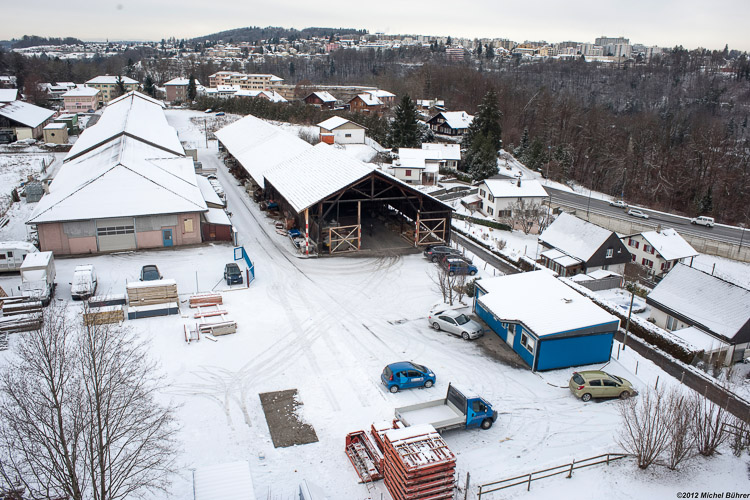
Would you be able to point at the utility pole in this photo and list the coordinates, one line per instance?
(205, 130)
(627, 324)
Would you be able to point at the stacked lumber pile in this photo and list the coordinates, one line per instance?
(15, 306)
(149, 293)
(21, 323)
(417, 464)
(219, 328)
(104, 315)
(205, 299)
(107, 300)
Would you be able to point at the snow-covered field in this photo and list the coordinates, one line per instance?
(327, 327)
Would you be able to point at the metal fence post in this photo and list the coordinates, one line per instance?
(528, 487)
(656, 386)
(570, 472)
(466, 491)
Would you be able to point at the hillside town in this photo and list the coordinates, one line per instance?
(262, 286)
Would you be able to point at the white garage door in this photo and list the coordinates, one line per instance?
(115, 234)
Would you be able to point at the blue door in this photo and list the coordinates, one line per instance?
(166, 235)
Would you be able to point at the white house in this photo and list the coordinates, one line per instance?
(337, 130)
(417, 166)
(449, 154)
(710, 313)
(500, 197)
(660, 250)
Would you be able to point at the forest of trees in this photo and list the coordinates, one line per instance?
(256, 34)
(670, 133)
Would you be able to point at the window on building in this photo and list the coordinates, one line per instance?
(490, 210)
(512, 328)
(188, 225)
(491, 198)
(632, 258)
(646, 248)
(481, 193)
(671, 323)
(610, 253)
(504, 325)
(408, 173)
(527, 342)
(347, 135)
(647, 262)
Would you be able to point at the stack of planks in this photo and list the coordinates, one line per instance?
(14, 306)
(21, 323)
(219, 328)
(104, 315)
(148, 293)
(205, 299)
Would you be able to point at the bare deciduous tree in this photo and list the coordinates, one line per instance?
(527, 214)
(79, 413)
(681, 443)
(445, 283)
(708, 425)
(645, 431)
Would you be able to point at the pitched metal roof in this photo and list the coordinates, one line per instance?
(575, 237)
(25, 113)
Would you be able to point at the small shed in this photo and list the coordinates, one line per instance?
(344, 131)
(56, 133)
(546, 322)
(70, 120)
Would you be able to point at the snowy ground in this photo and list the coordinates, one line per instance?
(327, 327)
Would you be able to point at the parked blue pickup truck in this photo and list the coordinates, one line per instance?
(458, 410)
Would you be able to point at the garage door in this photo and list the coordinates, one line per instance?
(115, 234)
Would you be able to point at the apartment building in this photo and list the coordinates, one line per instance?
(245, 81)
(107, 86)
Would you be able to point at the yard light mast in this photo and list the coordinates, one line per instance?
(630, 311)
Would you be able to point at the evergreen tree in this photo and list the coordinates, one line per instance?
(191, 90)
(404, 130)
(449, 41)
(479, 50)
(706, 204)
(148, 86)
(120, 86)
(483, 139)
(490, 52)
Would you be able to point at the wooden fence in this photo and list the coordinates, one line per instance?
(485, 489)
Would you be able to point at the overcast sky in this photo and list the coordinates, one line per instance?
(666, 23)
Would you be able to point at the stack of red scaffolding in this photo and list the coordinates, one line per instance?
(417, 464)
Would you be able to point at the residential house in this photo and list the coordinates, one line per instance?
(453, 123)
(387, 98)
(572, 246)
(24, 120)
(547, 323)
(337, 130)
(124, 186)
(660, 250)
(81, 99)
(416, 166)
(450, 154)
(109, 88)
(366, 103)
(710, 313)
(176, 89)
(321, 99)
(7, 82)
(502, 199)
(268, 95)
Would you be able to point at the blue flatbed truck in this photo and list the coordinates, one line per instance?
(458, 410)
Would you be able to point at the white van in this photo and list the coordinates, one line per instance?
(12, 254)
(703, 221)
(84, 282)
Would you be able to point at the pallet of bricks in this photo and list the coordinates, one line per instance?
(417, 464)
(152, 298)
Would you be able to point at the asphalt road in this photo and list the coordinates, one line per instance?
(729, 234)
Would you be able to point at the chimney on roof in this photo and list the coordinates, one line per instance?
(658, 228)
(519, 181)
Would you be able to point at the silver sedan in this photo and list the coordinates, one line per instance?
(455, 322)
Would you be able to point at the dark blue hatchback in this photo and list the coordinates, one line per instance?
(405, 375)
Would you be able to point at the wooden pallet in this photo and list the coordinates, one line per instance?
(104, 315)
(205, 299)
(219, 328)
(146, 293)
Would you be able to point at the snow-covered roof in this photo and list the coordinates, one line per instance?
(447, 151)
(229, 481)
(81, 91)
(411, 158)
(269, 94)
(700, 340)
(510, 188)
(380, 93)
(574, 236)
(561, 258)
(258, 145)
(711, 303)
(601, 274)
(323, 96)
(104, 79)
(457, 119)
(217, 216)
(25, 113)
(180, 81)
(314, 174)
(55, 126)
(207, 190)
(124, 178)
(8, 95)
(134, 94)
(669, 244)
(17, 245)
(369, 100)
(521, 298)
(36, 259)
(335, 122)
(134, 115)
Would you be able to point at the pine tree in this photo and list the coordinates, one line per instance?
(120, 86)
(192, 91)
(483, 140)
(479, 50)
(148, 86)
(490, 52)
(404, 130)
(449, 41)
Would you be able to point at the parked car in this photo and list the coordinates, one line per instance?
(456, 323)
(438, 252)
(454, 256)
(459, 266)
(405, 375)
(618, 204)
(637, 213)
(150, 273)
(703, 221)
(599, 384)
(220, 113)
(84, 282)
(232, 274)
